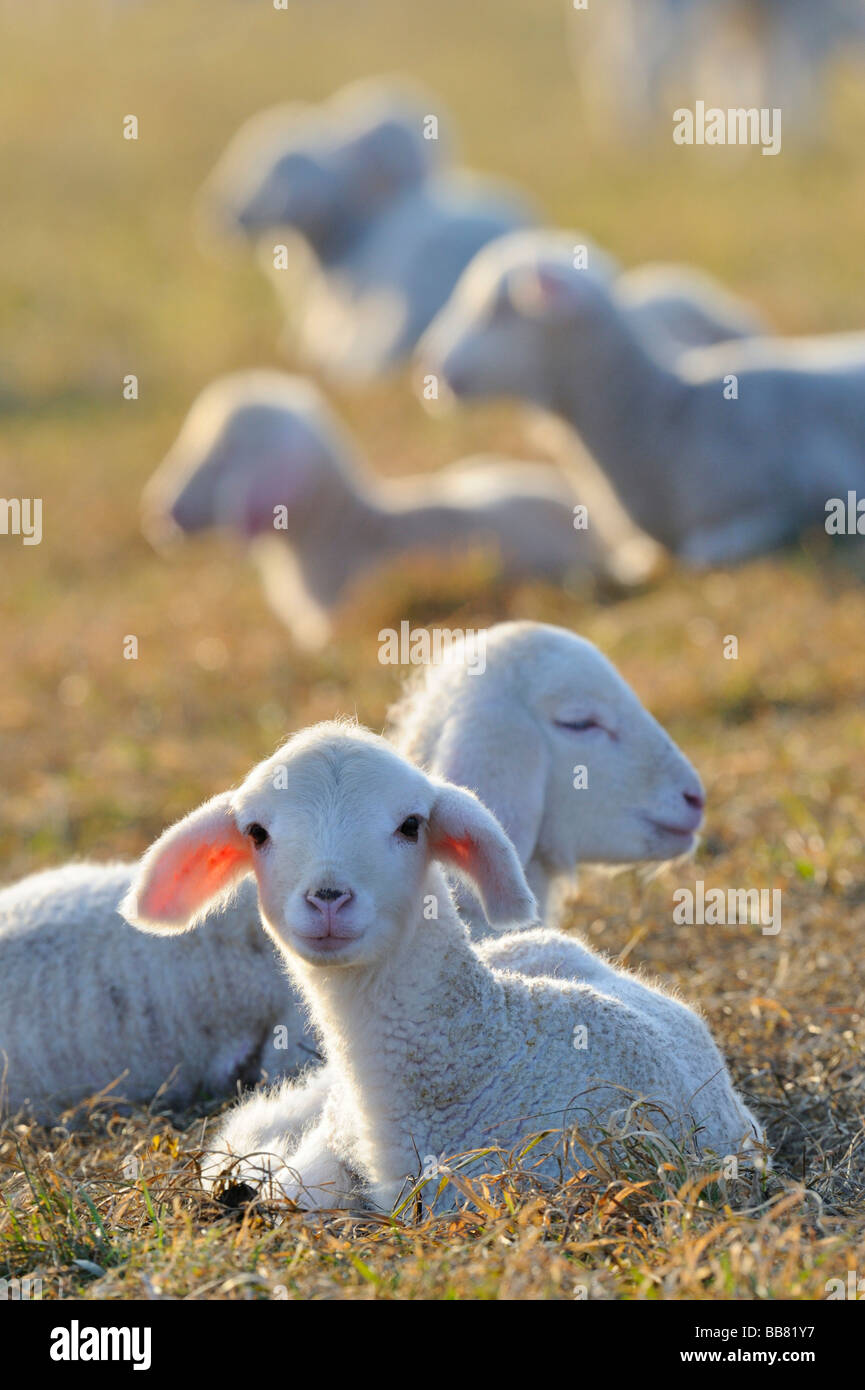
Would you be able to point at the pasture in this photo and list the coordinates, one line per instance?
(103, 273)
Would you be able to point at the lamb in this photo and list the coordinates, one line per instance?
(430, 1050)
(552, 701)
(744, 52)
(721, 455)
(261, 452)
(386, 226)
(325, 170)
(548, 704)
(676, 307)
(86, 1002)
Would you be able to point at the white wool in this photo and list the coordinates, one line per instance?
(430, 1051)
(261, 454)
(712, 475)
(363, 184)
(677, 307)
(85, 1000)
(549, 703)
(88, 1003)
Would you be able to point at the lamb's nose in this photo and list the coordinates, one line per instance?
(695, 801)
(329, 900)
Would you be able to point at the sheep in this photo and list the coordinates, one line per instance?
(386, 225)
(743, 52)
(249, 1138)
(85, 1001)
(726, 453)
(261, 452)
(538, 680)
(325, 170)
(677, 308)
(430, 1051)
(87, 1004)
(548, 704)
(387, 230)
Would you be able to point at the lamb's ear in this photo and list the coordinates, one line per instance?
(555, 291)
(187, 869)
(544, 292)
(466, 837)
(498, 750)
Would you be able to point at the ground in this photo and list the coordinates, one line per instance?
(103, 273)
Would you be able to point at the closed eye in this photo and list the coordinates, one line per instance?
(582, 726)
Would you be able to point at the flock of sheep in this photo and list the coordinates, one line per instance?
(375, 918)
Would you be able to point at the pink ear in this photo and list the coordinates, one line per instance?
(188, 867)
(468, 838)
(544, 291)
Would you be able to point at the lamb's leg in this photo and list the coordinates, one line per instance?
(314, 1177)
(254, 1139)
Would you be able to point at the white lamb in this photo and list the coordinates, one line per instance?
(549, 713)
(548, 703)
(85, 1001)
(723, 454)
(387, 228)
(431, 1052)
(676, 307)
(261, 453)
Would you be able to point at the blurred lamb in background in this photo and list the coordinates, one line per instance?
(261, 453)
(726, 452)
(640, 59)
(676, 307)
(363, 185)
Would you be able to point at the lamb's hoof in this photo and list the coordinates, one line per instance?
(237, 1195)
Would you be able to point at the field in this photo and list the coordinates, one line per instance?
(102, 274)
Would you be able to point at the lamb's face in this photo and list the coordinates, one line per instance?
(297, 189)
(480, 346)
(277, 172)
(502, 331)
(340, 834)
(557, 744)
(618, 789)
(235, 468)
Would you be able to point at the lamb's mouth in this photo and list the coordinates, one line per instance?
(323, 947)
(684, 833)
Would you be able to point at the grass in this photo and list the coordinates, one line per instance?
(101, 274)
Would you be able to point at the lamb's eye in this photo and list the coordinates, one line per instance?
(578, 726)
(410, 827)
(257, 834)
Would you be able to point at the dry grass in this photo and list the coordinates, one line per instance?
(101, 275)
